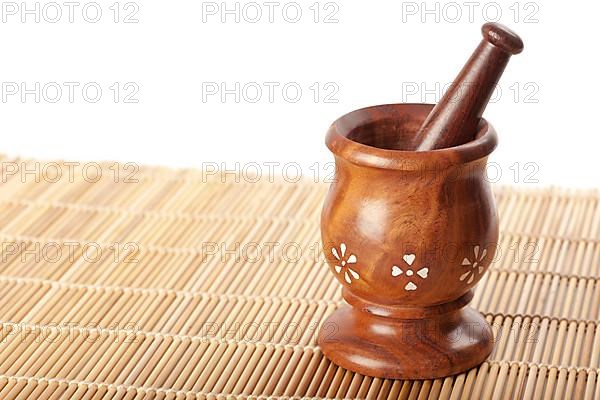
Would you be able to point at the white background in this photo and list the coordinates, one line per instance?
(377, 52)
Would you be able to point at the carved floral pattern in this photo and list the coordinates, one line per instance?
(343, 265)
(409, 259)
(475, 266)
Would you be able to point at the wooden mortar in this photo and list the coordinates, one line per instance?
(409, 234)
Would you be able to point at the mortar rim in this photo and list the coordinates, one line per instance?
(370, 156)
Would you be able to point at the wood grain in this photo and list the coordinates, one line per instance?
(407, 234)
(454, 120)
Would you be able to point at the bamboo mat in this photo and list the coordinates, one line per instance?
(181, 286)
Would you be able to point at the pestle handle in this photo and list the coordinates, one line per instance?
(453, 121)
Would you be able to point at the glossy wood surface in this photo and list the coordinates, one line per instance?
(454, 119)
(408, 234)
(406, 349)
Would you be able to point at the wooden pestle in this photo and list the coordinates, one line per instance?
(453, 121)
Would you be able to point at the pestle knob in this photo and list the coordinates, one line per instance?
(453, 121)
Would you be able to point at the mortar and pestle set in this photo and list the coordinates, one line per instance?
(410, 226)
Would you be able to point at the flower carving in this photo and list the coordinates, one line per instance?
(475, 266)
(409, 259)
(344, 263)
